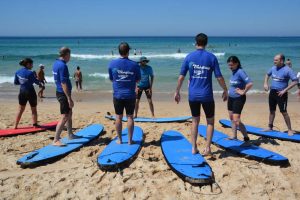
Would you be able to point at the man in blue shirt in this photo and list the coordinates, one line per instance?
(145, 84)
(280, 74)
(201, 64)
(124, 74)
(63, 93)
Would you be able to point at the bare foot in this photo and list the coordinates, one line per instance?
(195, 151)
(73, 137)
(131, 142)
(58, 143)
(119, 141)
(291, 132)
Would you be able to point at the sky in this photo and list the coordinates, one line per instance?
(149, 18)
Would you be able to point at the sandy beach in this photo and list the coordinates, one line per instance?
(77, 175)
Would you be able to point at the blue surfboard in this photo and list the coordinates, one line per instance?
(250, 151)
(50, 152)
(177, 151)
(116, 156)
(153, 120)
(269, 134)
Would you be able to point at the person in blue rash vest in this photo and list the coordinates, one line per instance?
(280, 75)
(124, 74)
(26, 78)
(201, 64)
(63, 94)
(146, 83)
(240, 83)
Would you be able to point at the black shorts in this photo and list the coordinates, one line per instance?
(208, 107)
(140, 91)
(236, 104)
(274, 99)
(120, 104)
(30, 96)
(64, 103)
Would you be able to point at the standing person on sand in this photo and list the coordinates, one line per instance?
(240, 83)
(63, 94)
(41, 77)
(26, 78)
(201, 64)
(298, 76)
(146, 83)
(124, 74)
(78, 78)
(280, 74)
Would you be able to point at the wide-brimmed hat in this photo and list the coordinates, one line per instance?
(143, 58)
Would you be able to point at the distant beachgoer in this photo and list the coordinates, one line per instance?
(288, 62)
(280, 74)
(124, 74)
(145, 84)
(78, 78)
(63, 93)
(140, 52)
(240, 83)
(112, 52)
(201, 64)
(41, 77)
(178, 50)
(25, 78)
(134, 52)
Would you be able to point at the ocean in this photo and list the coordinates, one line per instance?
(93, 55)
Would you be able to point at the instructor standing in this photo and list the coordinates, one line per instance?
(201, 65)
(280, 74)
(124, 74)
(63, 93)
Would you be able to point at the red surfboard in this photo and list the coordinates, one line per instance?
(29, 129)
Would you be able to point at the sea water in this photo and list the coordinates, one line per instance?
(166, 55)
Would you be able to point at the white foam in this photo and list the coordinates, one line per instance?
(159, 56)
(6, 79)
(101, 75)
(249, 92)
(10, 79)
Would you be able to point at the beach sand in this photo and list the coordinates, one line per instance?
(77, 176)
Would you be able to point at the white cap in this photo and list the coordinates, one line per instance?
(41, 65)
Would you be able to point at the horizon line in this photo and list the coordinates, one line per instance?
(84, 36)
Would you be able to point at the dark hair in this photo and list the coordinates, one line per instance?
(78, 68)
(282, 57)
(234, 59)
(64, 51)
(201, 39)
(124, 48)
(25, 62)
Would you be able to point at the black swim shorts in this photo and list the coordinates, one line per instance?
(208, 107)
(28, 95)
(236, 104)
(120, 104)
(64, 103)
(140, 91)
(274, 99)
